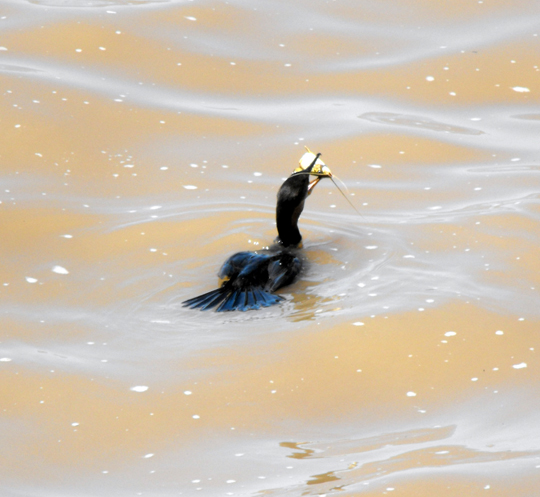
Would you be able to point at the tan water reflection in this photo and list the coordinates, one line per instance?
(145, 142)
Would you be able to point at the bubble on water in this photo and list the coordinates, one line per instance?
(59, 270)
(31, 280)
(521, 365)
(521, 89)
(450, 334)
(190, 187)
(411, 394)
(139, 388)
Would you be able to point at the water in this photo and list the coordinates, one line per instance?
(145, 142)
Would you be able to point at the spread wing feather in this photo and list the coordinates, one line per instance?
(251, 279)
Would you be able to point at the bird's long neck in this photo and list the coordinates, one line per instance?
(290, 204)
(287, 223)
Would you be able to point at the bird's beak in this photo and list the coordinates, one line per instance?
(320, 171)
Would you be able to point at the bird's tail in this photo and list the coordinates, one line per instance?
(230, 299)
(206, 300)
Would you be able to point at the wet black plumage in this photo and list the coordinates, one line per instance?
(251, 278)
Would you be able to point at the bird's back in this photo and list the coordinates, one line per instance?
(250, 280)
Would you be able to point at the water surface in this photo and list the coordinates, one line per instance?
(144, 142)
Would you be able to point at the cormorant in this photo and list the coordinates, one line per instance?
(251, 278)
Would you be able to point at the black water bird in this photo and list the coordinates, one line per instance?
(251, 278)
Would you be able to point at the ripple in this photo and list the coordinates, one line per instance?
(527, 117)
(417, 122)
(396, 457)
(19, 69)
(83, 4)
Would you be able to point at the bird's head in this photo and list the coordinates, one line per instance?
(310, 163)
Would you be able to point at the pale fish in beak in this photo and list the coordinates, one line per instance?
(319, 169)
